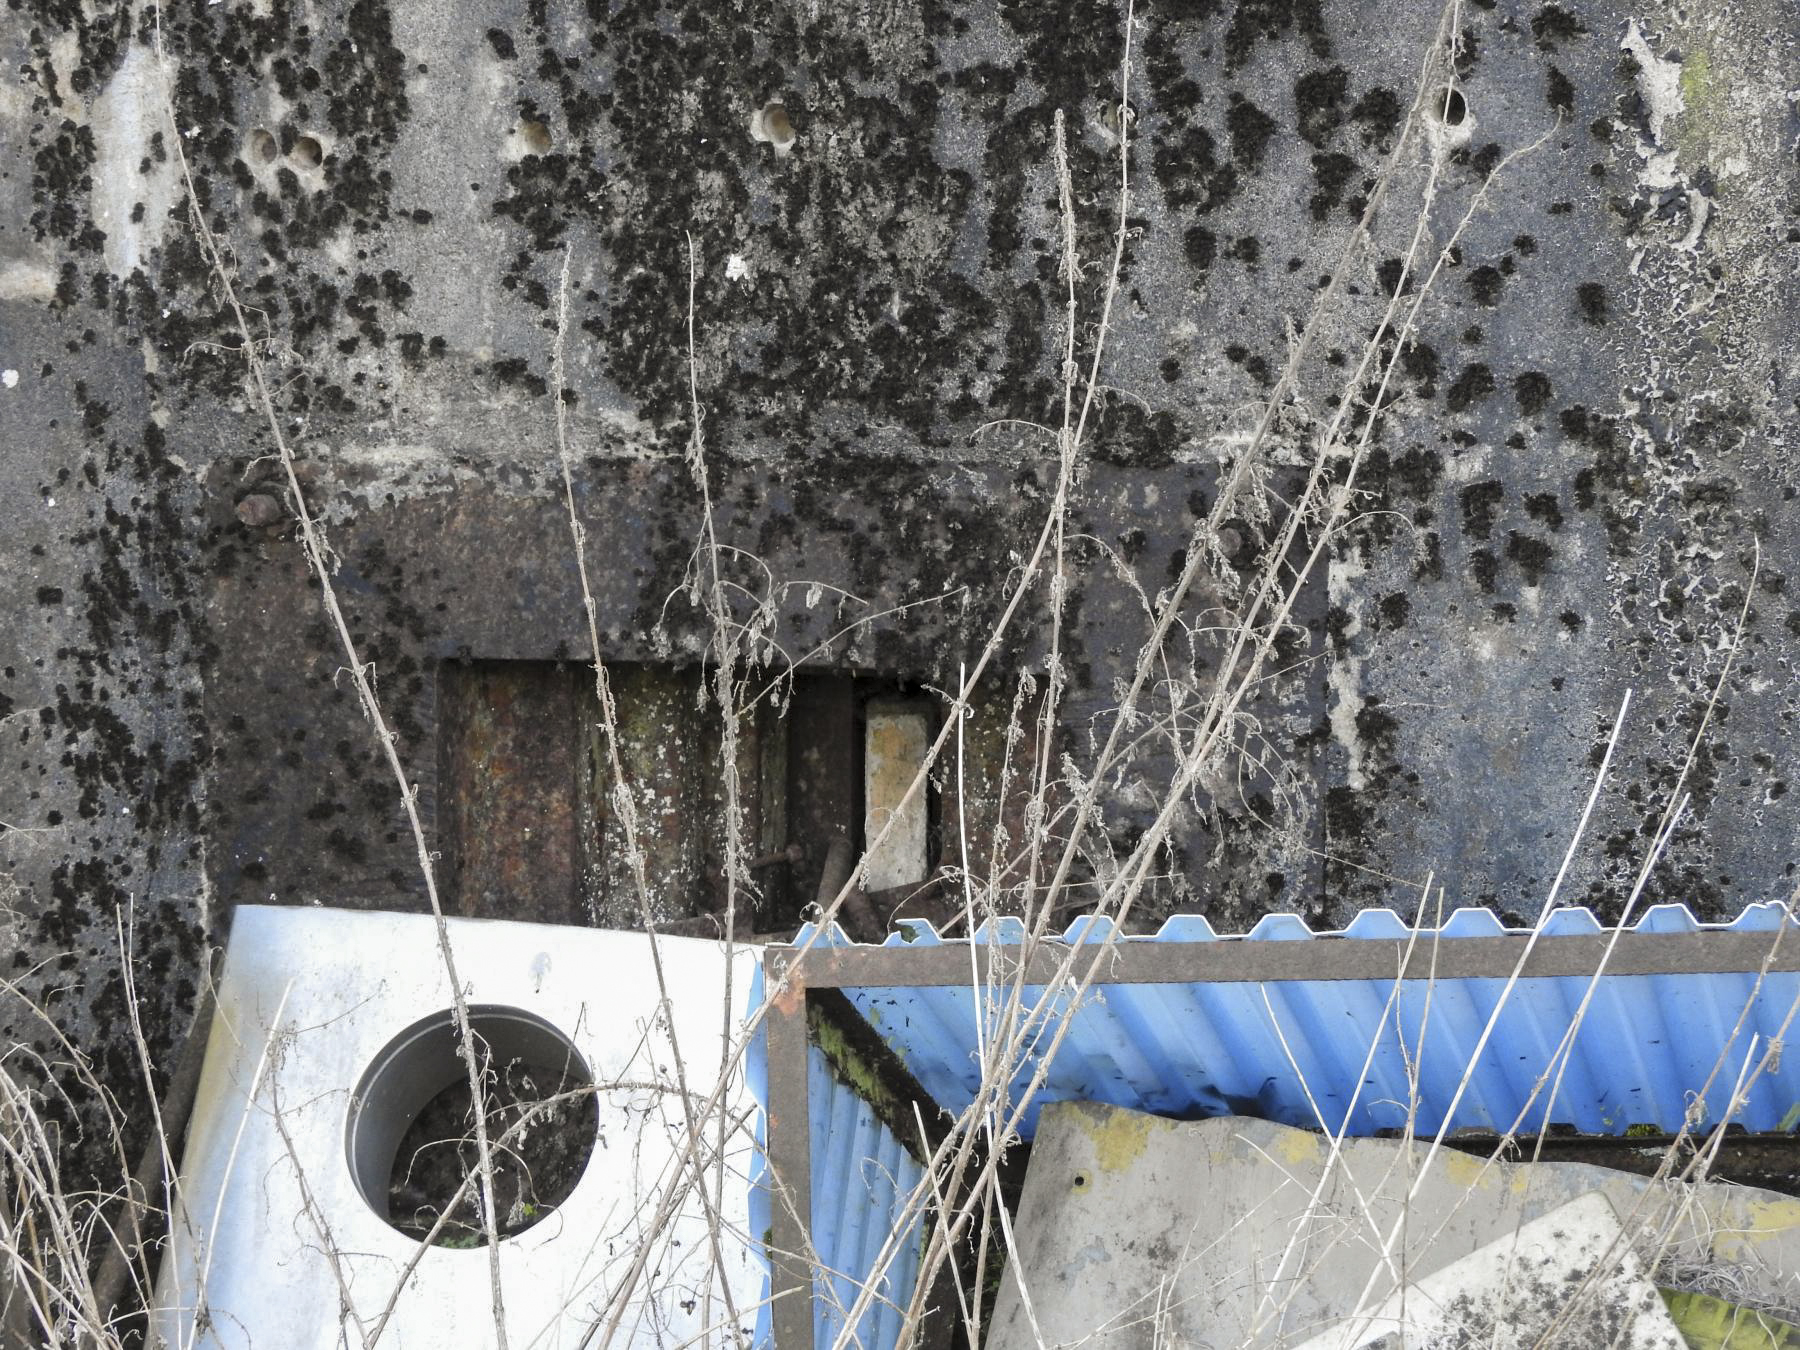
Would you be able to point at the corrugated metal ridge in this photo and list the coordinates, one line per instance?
(1293, 1049)
(1375, 923)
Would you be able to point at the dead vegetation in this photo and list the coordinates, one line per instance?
(1186, 712)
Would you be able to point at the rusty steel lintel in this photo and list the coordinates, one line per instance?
(789, 1156)
(1237, 960)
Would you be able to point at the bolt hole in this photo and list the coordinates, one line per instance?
(535, 136)
(1448, 106)
(773, 125)
(1081, 1181)
(262, 147)
(1240, 543)
(308, 151)
(1111, 118)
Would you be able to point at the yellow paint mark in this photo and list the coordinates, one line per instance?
(1298, 1147)
(1466, 1170)
(1773, 1218)
(1118, 1136)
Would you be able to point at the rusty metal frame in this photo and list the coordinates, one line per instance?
(791, 976)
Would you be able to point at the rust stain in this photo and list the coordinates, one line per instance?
(791, 998)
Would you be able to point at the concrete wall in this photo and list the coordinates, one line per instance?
(1593, 429)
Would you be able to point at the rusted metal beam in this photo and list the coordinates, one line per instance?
(508, 793)
(1235, 960)
(789, 1145)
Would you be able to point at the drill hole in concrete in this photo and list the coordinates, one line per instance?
(772, 124)
(308, 152)
(260, 147)
(1448, 107)
(410, 1137)
(535, 137)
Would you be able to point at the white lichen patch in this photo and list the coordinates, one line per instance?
(133, 192)
(1659, 82)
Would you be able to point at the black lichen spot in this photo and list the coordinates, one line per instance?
(1532, 555)
(1420, 361)
(49, 595)
(1487, 159)
(1485, 284)
(1416, 472)
(1479, 502)
(1333, 173)
(1586, 499)
(1376, 727)
(1251, 129)
(1186, 165)
(347, 846)
(501, 41)
(1485, 568)
(1533, 391)
(513, 370)
(1553, 25)
(1474, 384)
(1318, 103)
(1394, 608)
(1544, 506)
(1378, 112)
(1591, 297)
(1559, 92)
(1254, 20)
(1337, 628)
(1390, 273)
(1570, 620)
(1200, 246)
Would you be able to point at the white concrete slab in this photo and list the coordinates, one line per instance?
(258, 1266)
(1141, 1231)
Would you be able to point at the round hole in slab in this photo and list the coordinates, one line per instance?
(261, 147)
(308, 151)
(535, 136)
(1448, 106)
(410, 1136)
(1081, 1181)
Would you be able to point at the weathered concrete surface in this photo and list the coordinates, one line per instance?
(1137, 1231)
(1590, 435)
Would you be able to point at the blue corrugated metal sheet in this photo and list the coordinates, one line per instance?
(1645, 1046)
(1644, 1050)
(864, 1177)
